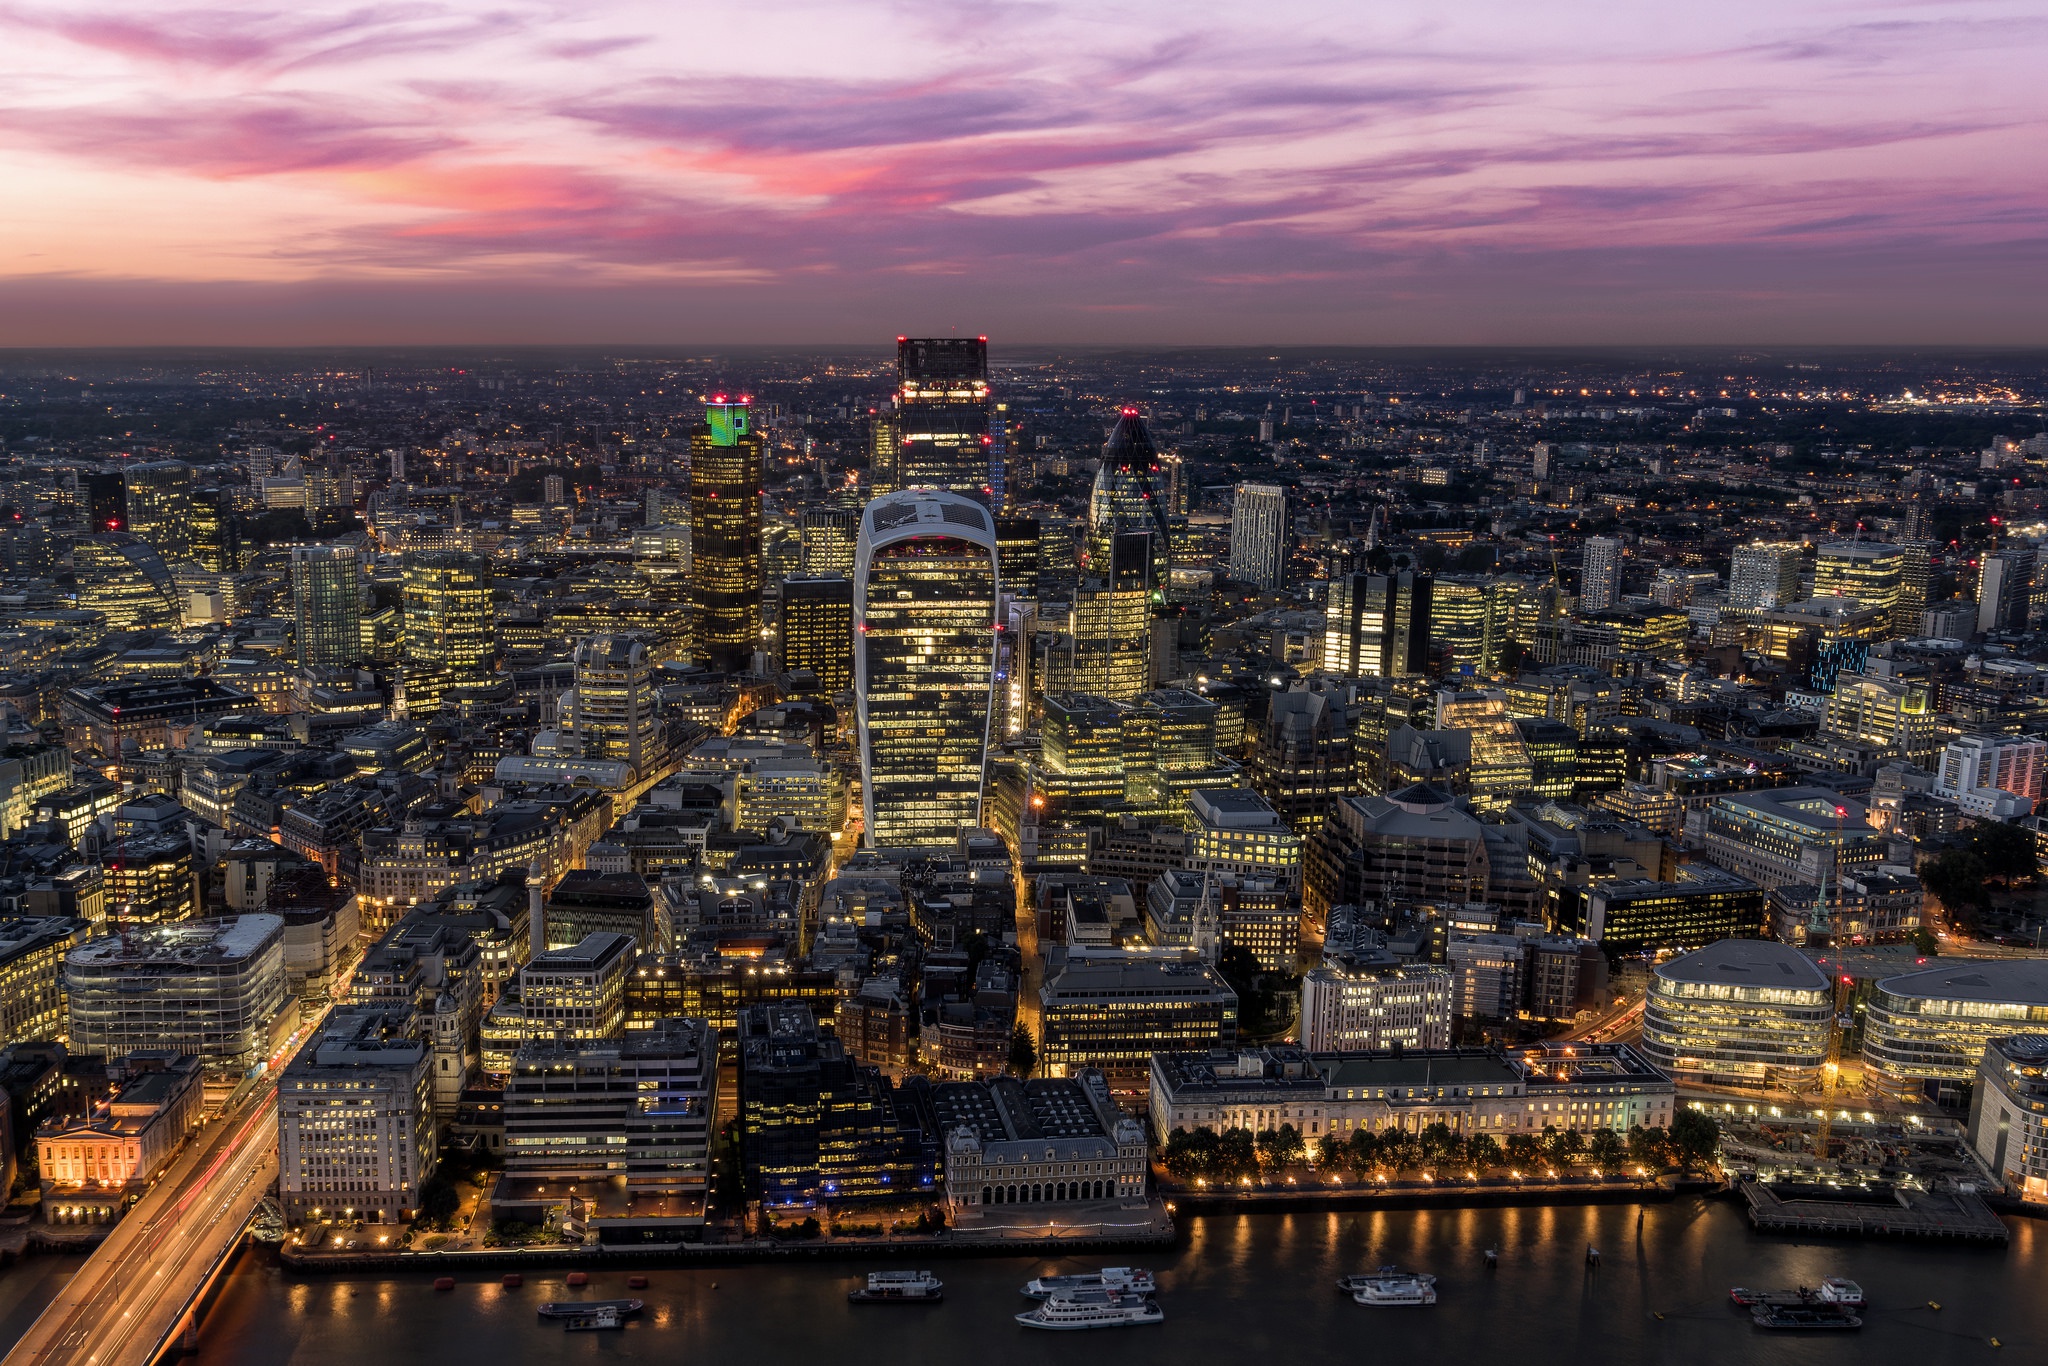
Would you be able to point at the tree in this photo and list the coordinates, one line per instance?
(1925, 944)
(1365, 1149)
(1333, 1153)
(438, 1200)
(1649, 1148)
(1523, 1150)
(1957, 878)
(1191, 1155)
(2007, 851)
(1695, 1135)
(1606, 1148)
(1023, 1052)
(1397, 1148)
(1439, 1143)
(1267, 1143)
(1237, 1154)
(1483, 1151)
(1289, 1148)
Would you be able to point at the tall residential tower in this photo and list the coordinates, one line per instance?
(1260, 535)
(327, 605)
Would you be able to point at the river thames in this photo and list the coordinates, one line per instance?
(1241, 1289)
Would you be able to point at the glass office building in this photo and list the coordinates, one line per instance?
(924, 664)
(725, 536)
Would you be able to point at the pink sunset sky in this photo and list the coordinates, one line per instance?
(1141, 172)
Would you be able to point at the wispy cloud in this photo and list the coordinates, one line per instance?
(1032, 156)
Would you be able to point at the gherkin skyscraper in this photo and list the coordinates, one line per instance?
(1129, 501)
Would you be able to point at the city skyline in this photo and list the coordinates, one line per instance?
(464, 174)
(1435, 609)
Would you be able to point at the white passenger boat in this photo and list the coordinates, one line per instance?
(1390, 1285)
(899, 1287)
(1135, 1280)
(1077, 1309)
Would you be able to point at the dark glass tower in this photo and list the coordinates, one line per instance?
(725, 536)
(1377, 625)
(941, 428)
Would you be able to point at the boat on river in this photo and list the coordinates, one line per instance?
(1081, 1309)
(1131, 1280)
(1391, 1286)
(1804, 1317)
(1835, 1290)
(583, 1309)
(899, 1287)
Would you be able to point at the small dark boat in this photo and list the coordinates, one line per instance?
(1806, 1317)
(576, 1309)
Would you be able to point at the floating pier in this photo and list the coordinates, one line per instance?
(1873, 1212)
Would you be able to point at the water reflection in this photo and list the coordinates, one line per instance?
(1240, 1285)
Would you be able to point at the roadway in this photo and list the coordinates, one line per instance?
(131, 1293)
(128, 1297)
(1621, 1023)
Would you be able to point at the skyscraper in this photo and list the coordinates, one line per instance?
(1600, 574)
(828, 536)
(1129, 500)
(1378, 625)
(817, 628)
(160, 506)
(725, 536)
(1916, 584)
(2005, 586)
(216, 545)
(924, 664)
(327, 603)
(1017, 548)
(449, 630)
(1470, 615)
(1260, 535)
(1871, 573)
(1764, 574)
(106, 503)
(612, 710)
(944, 438)
(1112, 621)
(125, 580)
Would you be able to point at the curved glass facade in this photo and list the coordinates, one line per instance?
(1739, 1013)
(925, 601)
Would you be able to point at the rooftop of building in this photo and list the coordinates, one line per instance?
(1232, 808)
(1819, 809)
(594, 951)
(187, 943)
(1088, 972)
(26, 934)
(2014, 981)
(358, 1037)
(1694, 879)
(1754, 963)
(664, 1040)
(2028, 1050)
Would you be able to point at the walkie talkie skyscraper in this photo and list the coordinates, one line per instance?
(924, 664)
